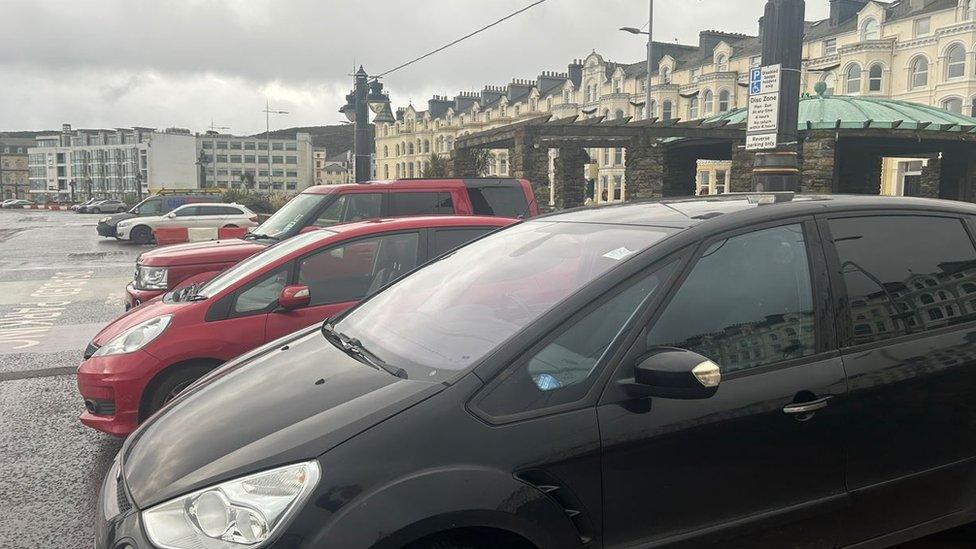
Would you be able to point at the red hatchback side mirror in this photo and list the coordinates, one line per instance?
(294, 297)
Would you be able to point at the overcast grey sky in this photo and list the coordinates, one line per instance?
(115, 63)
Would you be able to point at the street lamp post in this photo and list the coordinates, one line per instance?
(650, 56)
(267, 120)
(366, 95)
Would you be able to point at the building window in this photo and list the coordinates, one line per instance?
(852, 79)
(875, 75)
(666, 110)
(386, 151)
(666, 75)
(830, 46)
(704, 183)
(923, 26)
(953, 105)
(870, 30)
(618, 115)
(708, 101)
(918, 73)
(830, 79)
(722, 63)
(955, 62)
(693, 108)
(755, 60)
(618, 156)
(721, 176)
(723, 101)
(652, 112)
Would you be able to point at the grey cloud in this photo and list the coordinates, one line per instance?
(143, 57)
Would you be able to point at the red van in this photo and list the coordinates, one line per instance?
(147, 356)
(164, 269)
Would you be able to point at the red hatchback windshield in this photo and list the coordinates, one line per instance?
(450, 314)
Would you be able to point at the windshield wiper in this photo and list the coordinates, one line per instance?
(256, 236)
(354, 348)
(190, 293)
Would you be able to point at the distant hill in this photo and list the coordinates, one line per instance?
(335, 139)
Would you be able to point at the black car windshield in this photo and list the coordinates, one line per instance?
(449, 315)
(294, 215)
(260, 260)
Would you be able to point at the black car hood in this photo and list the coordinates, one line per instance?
(115, 219)
(287, 404)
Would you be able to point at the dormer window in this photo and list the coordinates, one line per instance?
(870, 30)
(722, 63)
(666, 75)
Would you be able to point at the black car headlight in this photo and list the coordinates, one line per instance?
(246, 512)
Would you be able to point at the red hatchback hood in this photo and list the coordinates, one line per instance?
(147, 311)
(197, 253)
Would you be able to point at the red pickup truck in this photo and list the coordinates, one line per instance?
(163, 269)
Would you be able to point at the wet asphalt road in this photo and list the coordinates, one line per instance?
(59, 284)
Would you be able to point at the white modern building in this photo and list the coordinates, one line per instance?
(77, 164)
(111, 163)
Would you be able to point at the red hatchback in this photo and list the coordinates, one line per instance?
(144, 358)
(161, 270)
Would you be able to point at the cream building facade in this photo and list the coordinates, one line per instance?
(921, 51)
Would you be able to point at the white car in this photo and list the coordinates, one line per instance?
(190, 216)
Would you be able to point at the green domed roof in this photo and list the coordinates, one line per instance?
(854, 112)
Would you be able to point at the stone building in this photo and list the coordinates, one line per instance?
(14, 182)
(921, 51)
(334, 170)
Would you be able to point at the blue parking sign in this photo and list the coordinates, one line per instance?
(755, 81)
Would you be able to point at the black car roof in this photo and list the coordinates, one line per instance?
(685, 213)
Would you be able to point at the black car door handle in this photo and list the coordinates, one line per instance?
(803, 408)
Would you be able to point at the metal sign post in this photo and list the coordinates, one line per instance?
(774, 98)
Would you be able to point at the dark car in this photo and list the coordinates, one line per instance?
(745, 371)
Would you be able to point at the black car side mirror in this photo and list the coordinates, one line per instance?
(668, 372)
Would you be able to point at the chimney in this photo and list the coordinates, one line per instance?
(491, 94)
(549, 80)
(438, 105)
(464, 101)
(576, 72)
(842, 10)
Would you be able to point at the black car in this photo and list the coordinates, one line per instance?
(744, 371)
(160, 204)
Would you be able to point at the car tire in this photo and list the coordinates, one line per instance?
(141, 234)
(170, 385)
(97, 210)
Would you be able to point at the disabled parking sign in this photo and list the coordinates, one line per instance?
(755, 81)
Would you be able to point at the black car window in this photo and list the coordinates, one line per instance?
(564, 369)
(404, 204)
(445, 240)
(498, 201)
(188, 211)
(352, 271)
(747, 302)
(905, 274)
(262, 295)
(210, 210)
(351, 207)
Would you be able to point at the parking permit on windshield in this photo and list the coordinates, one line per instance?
(618, 254)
